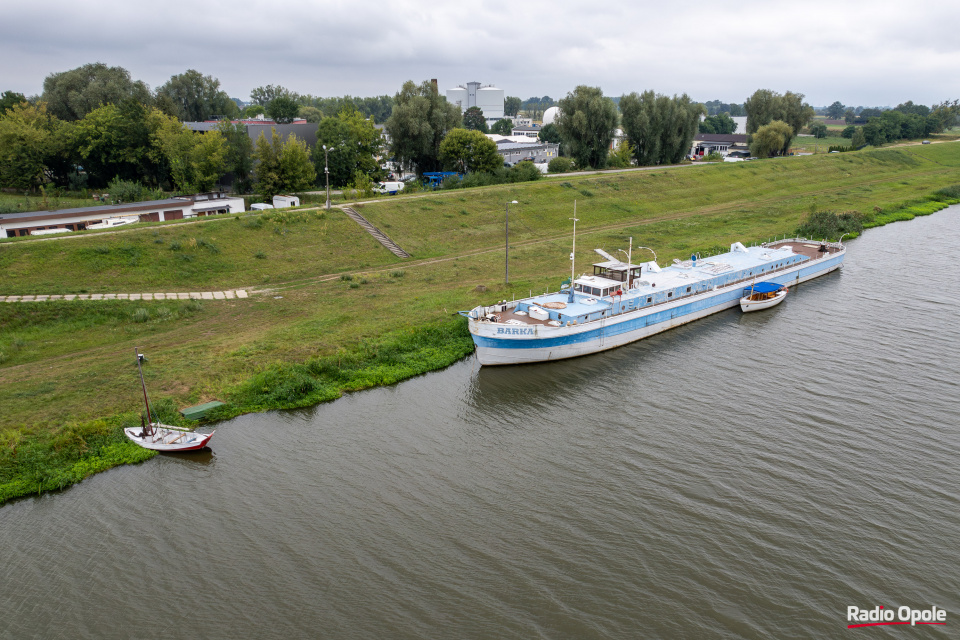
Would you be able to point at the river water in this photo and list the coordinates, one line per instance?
(745, 476)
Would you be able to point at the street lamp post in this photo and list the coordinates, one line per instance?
(326, 170)
(506, 263)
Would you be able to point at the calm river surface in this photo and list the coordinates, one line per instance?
(740, 477)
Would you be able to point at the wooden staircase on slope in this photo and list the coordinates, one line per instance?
(380, 236)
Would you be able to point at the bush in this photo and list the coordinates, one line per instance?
(830, 225)
(560, 165)
(524, 171)
(848, 132)
(126, 191)
(713, 156)
(947, 193)
(141, 315)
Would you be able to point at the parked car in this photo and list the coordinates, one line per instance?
(925, 142)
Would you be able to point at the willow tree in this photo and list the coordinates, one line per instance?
(765, 106)
(71, 95)
(660, 128)
(420, 120)
(771, 139)
(587, 122)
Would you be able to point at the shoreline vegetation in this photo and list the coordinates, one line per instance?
(337, 313)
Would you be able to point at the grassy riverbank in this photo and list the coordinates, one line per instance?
(342, 313)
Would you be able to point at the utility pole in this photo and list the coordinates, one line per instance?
(506, 264)
(326, 170)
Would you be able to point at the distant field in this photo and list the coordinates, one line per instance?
(817, 145)
(338, 296)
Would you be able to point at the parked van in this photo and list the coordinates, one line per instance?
(260, 206)
(280, 202)
(393, 188)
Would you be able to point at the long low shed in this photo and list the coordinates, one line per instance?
(25, 223)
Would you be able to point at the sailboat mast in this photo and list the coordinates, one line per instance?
(143, 385)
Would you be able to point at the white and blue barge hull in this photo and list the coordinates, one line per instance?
(623, 303)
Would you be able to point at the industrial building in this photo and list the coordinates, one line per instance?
(473, 94)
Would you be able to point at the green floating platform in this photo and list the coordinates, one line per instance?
(199, 411)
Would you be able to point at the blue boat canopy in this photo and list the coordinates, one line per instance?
(764, 287)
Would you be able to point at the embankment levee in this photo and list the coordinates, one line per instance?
(67, 386)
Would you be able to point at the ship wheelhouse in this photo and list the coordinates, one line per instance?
(608, 278)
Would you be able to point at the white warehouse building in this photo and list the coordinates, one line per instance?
(488, 98)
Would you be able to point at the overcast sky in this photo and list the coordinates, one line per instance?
(861, 53)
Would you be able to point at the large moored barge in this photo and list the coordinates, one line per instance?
(623, 302)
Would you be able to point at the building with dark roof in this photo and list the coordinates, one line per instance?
(722, 143)
(204, 204)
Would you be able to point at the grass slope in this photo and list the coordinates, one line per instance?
(344, 313)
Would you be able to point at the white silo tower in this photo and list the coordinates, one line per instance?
(490, 101)
(458, 97)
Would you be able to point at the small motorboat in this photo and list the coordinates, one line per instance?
(163, 437)
(762, 295)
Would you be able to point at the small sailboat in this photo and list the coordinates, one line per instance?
(163, 437)
(762, 295)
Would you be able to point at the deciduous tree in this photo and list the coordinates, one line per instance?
(195, 160)
(28, 137)
(550, 133)
(353, 143)
(420, 121)
(858, 139)
(310, 114)
(473, 119)
(502, 127)
(836, 110)
(283, 109)
(660, 128)
(511, 106)
(771, 139)
(9, 99)
(71, 95)
(194, 97)
(720, 123)
(463, 150)
(765, 106)
(586, 123)
(819, 130)
(115, 141)
(282, 167)
(239, 154)
(264, 95)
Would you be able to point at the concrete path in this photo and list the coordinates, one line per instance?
(205, 295)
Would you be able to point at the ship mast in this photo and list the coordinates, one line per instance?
(573, 267)
(148, 429)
